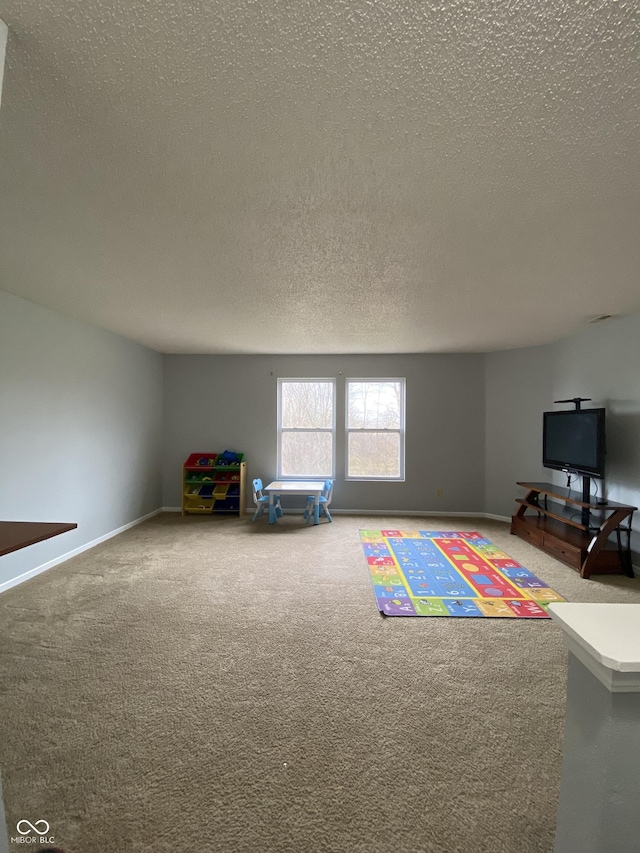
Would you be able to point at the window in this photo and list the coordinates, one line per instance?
(306, 427)
(375, 429)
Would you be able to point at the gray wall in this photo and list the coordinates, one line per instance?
(601, 362)
(80, 429)
(213, 403)
(518, 388)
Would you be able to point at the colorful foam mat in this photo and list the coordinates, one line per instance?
(450, 573)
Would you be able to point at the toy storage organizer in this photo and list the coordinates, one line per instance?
(214, 483)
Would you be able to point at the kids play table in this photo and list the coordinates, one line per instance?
(295, 487)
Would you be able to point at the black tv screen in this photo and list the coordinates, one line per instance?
(574, 441)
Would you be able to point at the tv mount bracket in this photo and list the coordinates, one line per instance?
(576, 401)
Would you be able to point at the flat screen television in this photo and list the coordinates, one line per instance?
(574, 441)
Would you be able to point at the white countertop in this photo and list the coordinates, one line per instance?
(606, 638)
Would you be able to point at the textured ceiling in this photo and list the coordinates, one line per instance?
(293, 176)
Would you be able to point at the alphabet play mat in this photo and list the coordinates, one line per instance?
(450, 573)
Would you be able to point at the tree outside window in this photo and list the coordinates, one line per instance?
(375, 429)
(306, 428)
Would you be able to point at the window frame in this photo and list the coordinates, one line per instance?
(281, 429)
(401, 430)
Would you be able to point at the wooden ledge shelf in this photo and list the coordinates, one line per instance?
(556, 510)
(570, 496)
(20, 534)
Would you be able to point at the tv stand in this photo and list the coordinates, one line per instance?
(590, 537)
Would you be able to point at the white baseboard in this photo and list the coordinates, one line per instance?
(416, 512)
(505, 518)
(392, 512)
(69, 554)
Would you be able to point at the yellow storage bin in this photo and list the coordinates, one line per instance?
(197, 504)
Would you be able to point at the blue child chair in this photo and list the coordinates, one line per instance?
(262, 501)
(325, 500)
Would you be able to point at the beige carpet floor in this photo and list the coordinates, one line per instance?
(210, 684)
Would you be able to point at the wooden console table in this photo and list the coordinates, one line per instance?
(19, 534)
(589, 537)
